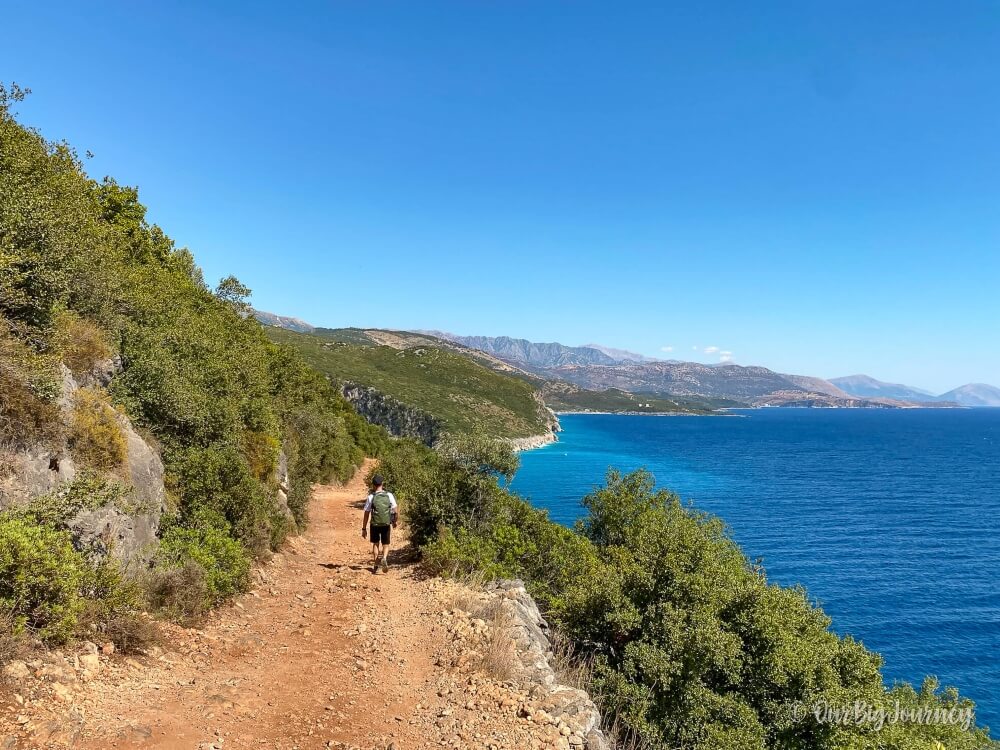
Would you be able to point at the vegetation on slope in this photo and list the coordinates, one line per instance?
(567, 397)
(466, 396)
(688, 644)
(83, 276)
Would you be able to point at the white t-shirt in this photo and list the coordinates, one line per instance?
(392, 502)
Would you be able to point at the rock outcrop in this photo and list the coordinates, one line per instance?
(129, 533)
(567, 705)
(396, 417)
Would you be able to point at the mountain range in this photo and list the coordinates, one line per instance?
(601, 368)
(971, 394)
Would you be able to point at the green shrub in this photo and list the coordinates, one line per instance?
(41, 576)
(453, 489)
(207, 544)
(218, 480)
(95, 437)
(85, 491)
(689, 645)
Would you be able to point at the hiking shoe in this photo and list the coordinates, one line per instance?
(375, 569)
(385, 565)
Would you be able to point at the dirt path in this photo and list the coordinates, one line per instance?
(290, 664)
(320, 654)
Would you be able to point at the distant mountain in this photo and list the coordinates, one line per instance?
(530, 354)
(283, 321)
(864, 386)
(677, 378)
(973, 394)
(621, 355)
(604, 369)
(817, 385)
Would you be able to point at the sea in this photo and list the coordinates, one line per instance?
(889, 518)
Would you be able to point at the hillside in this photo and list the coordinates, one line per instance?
(566, 397)
(465, 395)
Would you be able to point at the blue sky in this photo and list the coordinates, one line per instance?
(814, 187)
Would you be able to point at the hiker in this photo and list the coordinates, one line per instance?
(381, 508)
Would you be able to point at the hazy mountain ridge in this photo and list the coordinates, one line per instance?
(970, 394)
(532, 354)
(621, 355)
(973, 394)
(868, 387)
(599, 368)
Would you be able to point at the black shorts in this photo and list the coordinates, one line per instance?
(379, 534)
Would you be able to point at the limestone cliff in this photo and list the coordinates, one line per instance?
(396, 417)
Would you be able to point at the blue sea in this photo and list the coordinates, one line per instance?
(890, 518)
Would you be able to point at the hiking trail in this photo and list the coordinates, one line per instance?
(320, 653)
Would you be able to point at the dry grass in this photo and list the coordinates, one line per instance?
(82, 344)
(95, 437)
(13, 643)
(576, 670)
(571, 667)
(497, 652)
(25, 417)
(8, 460)
(620, 738)
(131, 632)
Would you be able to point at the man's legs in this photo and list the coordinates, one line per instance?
(385, 556)
(374, 553)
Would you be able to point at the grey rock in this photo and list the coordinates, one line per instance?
(36, 471)
(109, 531)
(574, 707)
(101, 375)
(127, 533)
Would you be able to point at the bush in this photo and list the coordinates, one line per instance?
(206, 543)
(218, 480)
(41, 576)
(81, 344)
(180, 593)
(112, 608)
(688, 644)
(453, 489)
(28, 389)
(95, 437)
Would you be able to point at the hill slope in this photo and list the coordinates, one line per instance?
(464, 394)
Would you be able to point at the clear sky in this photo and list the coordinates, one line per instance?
(814, 187)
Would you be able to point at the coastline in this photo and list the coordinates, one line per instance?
(646, 413)
(533, 441)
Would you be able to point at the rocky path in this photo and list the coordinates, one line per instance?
(320, 654)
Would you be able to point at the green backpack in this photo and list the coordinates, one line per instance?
(381, 509)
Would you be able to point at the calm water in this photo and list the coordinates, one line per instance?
(891, 519)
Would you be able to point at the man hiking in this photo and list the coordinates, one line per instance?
(381, 509)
